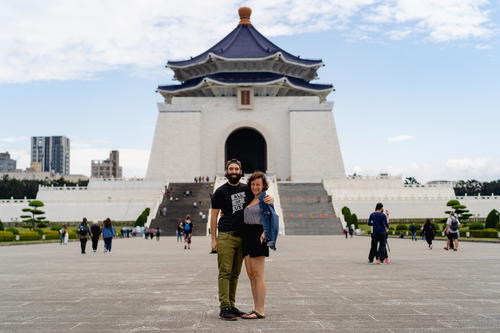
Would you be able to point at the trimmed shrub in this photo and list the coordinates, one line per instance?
(1, 226)
(13, 230)
(6, 236)
(51, 234)
(498, 226)
(42, 225)
(476, 226)
(40, 231)
(392, 228)
(29, 235)
(401, 227)
(72, 234)
(56, 227)
(492, 219)
(489, 233)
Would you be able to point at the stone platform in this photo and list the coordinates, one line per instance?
(315, 284)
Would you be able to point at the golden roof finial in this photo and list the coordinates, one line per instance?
(245, 13)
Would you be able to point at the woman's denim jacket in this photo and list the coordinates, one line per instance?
(270, 221)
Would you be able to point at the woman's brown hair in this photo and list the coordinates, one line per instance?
(107, 223)
(257, 175)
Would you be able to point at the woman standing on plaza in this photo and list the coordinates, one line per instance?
(256, 241)
(188, 232)
(108, 232)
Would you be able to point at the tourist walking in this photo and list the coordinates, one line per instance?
(379, 224)
(180, 230)
(451, 230)
(429, 232)
(260, 228)
(345, 232)
(188, 232)
(62, 234)
(83, 232)
(66, 235)
(157, 234)
(108, 232)
(413, 230)
(351, 231)
(229, 199)
(95, 232)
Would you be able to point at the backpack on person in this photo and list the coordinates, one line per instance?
(82, 230)
(454, 224)
(187, 228)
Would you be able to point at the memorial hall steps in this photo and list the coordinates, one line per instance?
(178, 209)
(308, 210)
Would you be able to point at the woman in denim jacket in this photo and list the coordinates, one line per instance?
(259, 233)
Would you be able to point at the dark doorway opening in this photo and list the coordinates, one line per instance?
(248, 146)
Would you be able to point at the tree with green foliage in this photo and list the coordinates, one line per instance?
(461, 211)
(142, 219)
(354, 220)
(15, 188)
(411, 181)
(346, 212)
(1, 226)
(492, 219)
(36, 213)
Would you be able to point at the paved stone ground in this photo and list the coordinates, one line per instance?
(315, 284)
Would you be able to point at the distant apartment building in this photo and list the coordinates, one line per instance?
(109, 168)
(50, 154)
(6, 163)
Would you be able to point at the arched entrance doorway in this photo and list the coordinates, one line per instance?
(248, 146)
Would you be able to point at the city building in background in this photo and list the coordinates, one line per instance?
(109, 168)
(52, 152)
(6, 163)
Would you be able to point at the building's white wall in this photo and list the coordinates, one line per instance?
(120, 200)
(361, 194)
(210, 120)
(314, 145)
(175, 153)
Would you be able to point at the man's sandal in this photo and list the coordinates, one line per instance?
(253, 315)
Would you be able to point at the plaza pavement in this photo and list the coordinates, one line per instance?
(315, 284)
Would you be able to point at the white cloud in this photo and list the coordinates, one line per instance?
(399, 138)
(12, 139)
(483, 169)
(70, 39)
(442, 20)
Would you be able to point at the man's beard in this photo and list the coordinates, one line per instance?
(233, 180)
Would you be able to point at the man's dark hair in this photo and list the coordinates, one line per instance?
(379, 206)
(233, 161)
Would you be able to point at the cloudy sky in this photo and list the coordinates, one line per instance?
(417, 81)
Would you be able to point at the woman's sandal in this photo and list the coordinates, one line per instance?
(253, 315)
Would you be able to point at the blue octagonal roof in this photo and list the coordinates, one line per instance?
(244, 42)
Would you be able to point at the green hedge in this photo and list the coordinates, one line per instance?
(50, 234)
(402, 227)
(476, 226)
(72, 234)
(40, 231)
(6, 236)
(13, 230)
(498, 226)
(488, 233)
(56, 227)
(29, 235)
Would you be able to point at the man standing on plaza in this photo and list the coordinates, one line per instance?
(379, 224)
(231, 199)
(451, 230)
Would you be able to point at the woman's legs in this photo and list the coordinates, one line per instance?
(255, 271)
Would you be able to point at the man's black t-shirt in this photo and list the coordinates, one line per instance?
(231, 200)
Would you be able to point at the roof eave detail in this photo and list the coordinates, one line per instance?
(279, 55)
(208, 81)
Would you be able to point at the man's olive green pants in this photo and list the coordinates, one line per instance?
(229, 258)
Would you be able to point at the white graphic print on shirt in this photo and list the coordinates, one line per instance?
(238, 200)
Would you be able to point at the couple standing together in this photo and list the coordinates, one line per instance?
(247, 228)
